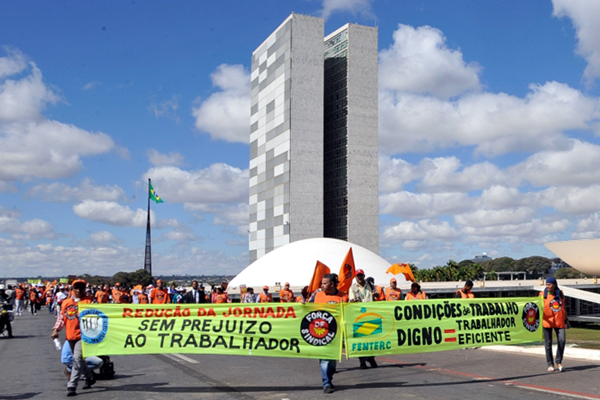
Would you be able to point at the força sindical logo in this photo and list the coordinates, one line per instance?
(94, 325)
(318, 328)
(531, 317)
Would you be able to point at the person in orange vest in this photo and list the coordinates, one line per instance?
(160, 294)
(142, 296)
(286, 295)
(303, 298)
(33, 300)
(465, 292)
(19, 299)
(415, 292)
(328, 293)
(49, 294)
(117, 294)
(555, 319)
(69, 319)
(265, 296)
(221, 296)
(378, 292)
(393, 292)
(102, 295)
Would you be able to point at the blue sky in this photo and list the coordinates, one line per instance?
(489, 123)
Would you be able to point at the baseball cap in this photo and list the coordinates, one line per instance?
(78, 282)
(393, 280)
(360, 272)
(266, 287)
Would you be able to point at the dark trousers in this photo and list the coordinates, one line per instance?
(5, 322)
(561, 339)
(364, 360)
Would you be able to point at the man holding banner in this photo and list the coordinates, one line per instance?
(362, 291)
(329, 293)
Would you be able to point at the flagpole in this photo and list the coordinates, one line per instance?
(148, 257)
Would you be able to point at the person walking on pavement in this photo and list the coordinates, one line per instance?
(362, 291)
(69, 319)
(555, 319)
(328, 293)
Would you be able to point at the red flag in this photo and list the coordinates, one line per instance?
(320, 271)
(347, 272)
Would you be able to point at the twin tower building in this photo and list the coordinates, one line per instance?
(314, 136)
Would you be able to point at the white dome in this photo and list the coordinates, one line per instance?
(583, 255)
(295, 263)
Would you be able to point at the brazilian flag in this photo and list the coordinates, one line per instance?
(153, 195)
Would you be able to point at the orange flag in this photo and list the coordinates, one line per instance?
(402, 269)
(320, 271)
(347, 272)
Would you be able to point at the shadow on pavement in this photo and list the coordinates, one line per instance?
(19, 396)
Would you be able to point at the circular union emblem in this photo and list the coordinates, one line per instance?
(531, 317)
(318, 328)
(94, 325)
(71, 311)
(555, 306)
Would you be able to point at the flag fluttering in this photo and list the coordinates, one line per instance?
(320, 271)
(347, 272)
(153, 195)
(402, 269)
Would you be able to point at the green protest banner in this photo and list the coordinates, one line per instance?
(402, 327)
(286, 330)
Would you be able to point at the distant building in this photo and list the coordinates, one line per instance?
(482, 258)
(314, 136)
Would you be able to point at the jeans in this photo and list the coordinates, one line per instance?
(91, 362)
(327, 371)
(19, 305)
(561, 338)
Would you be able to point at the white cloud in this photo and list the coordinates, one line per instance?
(159, 159)
(588, 228)
(91, 85)
(577, 164)
(570, 199)
(30, 145)
(104, 237)
(410, 205)
(362, 7)
(29, 230)
(180, 234)
(394, 173)
(418, 61)
(225, 114)
(500, 197)
(166, 109)
(63, 193)
(493, 218)
(13, 63)
(494, 123)
(219, 183)
(109, 212)
(422, 230)
(585, 15)
(446, 175)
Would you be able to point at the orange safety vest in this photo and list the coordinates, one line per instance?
(160, 296)
(379, 290)
(142, 298)
(19, 294)
(221, 298)
(286, 296)
(33, 296)
(464, 295)
(117, 296)
(322, 297)
(70, 313)
(418, 296)
(300, 299)
(555, 314)
(101, 297)
(265, 298)
(393, 294)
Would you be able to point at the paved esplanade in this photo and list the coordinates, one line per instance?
(30, 368)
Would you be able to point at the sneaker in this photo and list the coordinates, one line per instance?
(71, 392)
(560, 367)
(551, 369)
(328, 389)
